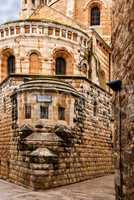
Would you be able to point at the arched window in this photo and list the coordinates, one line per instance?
(11, 64)
(34, 63)
(33, 2)
(95, 16)
(95, 108)
(60, 66)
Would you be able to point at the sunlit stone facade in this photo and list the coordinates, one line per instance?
(55, 110)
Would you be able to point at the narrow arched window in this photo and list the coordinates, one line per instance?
(33, 2)
(95, 108)
(60, 66)
(34, 63)
(95, 16)
(11, 64)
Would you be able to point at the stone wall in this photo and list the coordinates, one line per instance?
(74, 46)
(84, 7)
(71, 153)
(5, 128)
(123, 63)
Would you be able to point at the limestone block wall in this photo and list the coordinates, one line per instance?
(123, 61)
(6, 131)
(67, 153)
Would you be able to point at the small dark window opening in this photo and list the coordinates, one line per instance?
(95, 109)
(95, 16)
(44, 112)
(33, 2)
(89, 74)
(27, 111)
(4, 105)
(45, 2)
(11, 64)
(61, 113)
(60, 66)
(42, 2)
(14, 108)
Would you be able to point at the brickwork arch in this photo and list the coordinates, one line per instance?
(8, 63)
(34, 62)
(67, 56)
(95, 4)
(34, 51)
(92, 3)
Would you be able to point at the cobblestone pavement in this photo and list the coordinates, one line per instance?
(96, 189)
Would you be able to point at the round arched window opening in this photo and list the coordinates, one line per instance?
(33, 2)
(60, 66)
(34, 63)
(95, 16)
(11, 64)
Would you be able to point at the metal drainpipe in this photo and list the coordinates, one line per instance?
(109, 69)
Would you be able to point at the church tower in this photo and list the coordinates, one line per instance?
(29, 6)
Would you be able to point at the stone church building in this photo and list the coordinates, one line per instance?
(55, 108)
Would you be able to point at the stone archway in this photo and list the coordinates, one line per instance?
(7, 63)
(67, 56)
(34, 62)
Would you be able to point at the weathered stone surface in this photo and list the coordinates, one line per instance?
(84, 147)
(123, 63)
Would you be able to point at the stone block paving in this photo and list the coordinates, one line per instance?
(96, 189)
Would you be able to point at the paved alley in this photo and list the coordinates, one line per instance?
(96, 189)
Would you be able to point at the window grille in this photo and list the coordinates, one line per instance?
(27, 111)
(61, 113)
(11, 64)
(60, 66)
(95, 16)
(44, 112)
